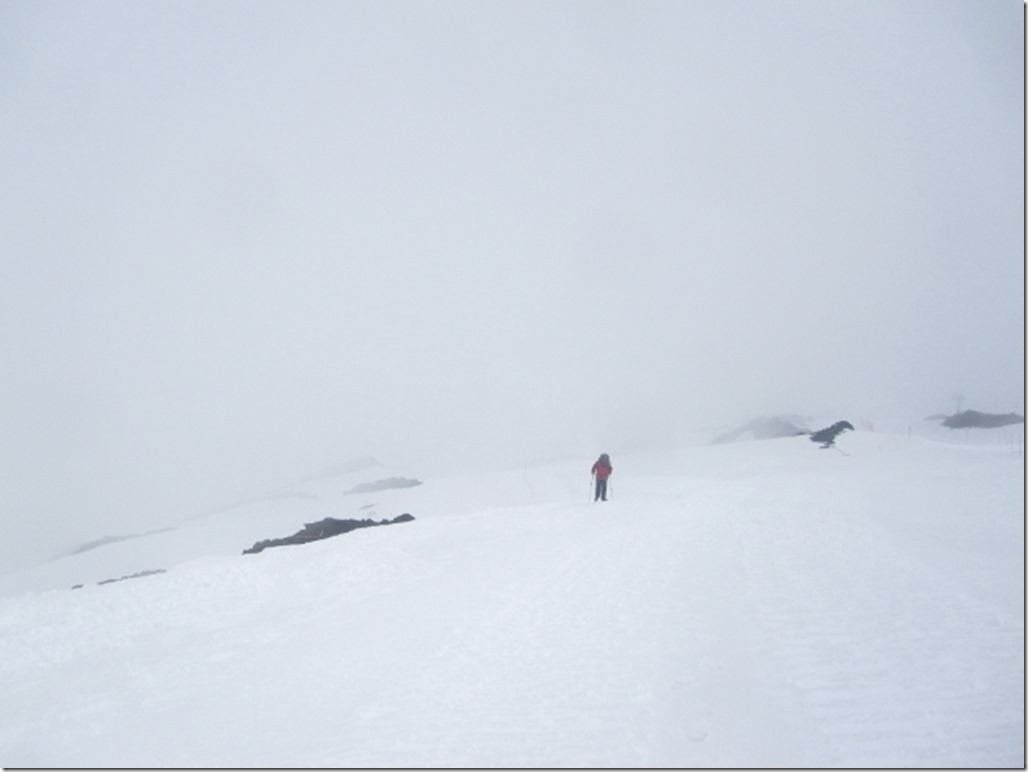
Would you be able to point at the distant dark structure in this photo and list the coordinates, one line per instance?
(827, 435)
(323, 529)
(972, 419)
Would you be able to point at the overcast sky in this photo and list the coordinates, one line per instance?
(241, 241)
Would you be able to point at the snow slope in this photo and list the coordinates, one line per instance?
(757, 604)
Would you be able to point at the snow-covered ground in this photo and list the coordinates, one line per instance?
(762, 603)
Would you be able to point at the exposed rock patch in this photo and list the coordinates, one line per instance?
(827, 435)
(323, 529)
(136, 575)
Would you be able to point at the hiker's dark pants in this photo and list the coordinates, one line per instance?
(601, 489)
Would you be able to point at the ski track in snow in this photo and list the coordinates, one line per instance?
(755, 618)
(574, 646)
(846, 647)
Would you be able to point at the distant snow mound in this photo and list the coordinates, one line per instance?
(356, 465)
(972, 419)
(105, 540)
(388, 483)
(765, 429)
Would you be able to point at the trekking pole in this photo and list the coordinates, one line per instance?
(592, 478)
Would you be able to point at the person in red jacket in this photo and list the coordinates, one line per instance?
(601, 471)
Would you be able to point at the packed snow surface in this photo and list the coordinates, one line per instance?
(765, 603)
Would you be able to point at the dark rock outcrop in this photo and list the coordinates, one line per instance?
(972, 419)
(323, 529)
(827, 435)
(149, 572)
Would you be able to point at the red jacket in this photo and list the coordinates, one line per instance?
(602, 470)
